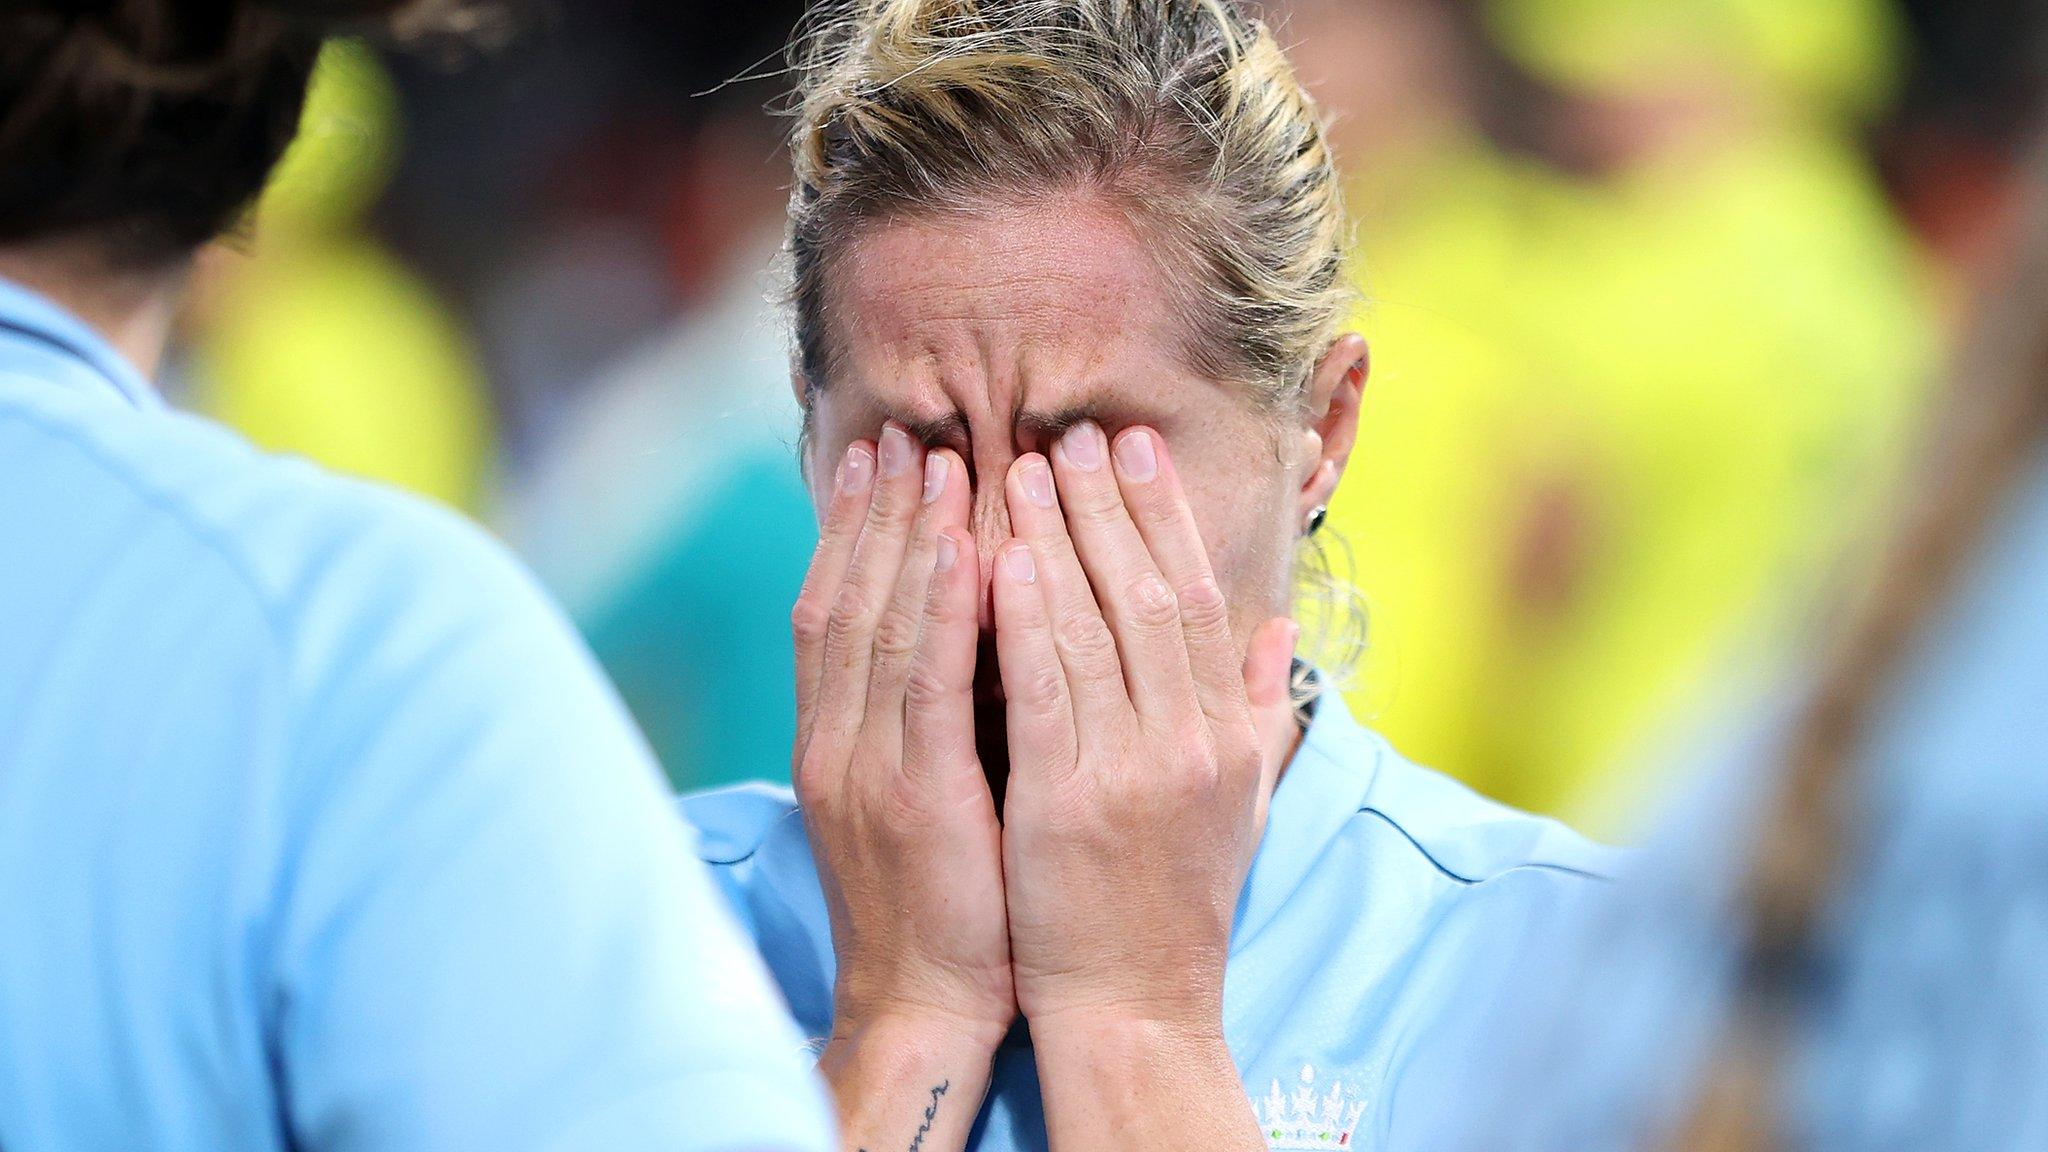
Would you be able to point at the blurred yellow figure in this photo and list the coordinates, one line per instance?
(315, 340)
(1616, 425)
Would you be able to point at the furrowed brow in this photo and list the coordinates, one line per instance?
(1045, 427)
(945, 431)
(952, 430)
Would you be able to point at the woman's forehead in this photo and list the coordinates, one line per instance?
(1055, 298)
(1057, 254)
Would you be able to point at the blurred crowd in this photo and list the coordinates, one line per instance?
(1655, 290)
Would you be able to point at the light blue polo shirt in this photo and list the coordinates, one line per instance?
(1921, 1020)
(1375, 879)
(317, 828)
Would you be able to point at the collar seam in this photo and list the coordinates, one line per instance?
(93, 359)
(1319, 749)
(1473, 881)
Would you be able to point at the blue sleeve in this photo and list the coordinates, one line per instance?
(1923, 1020)
(495, 932)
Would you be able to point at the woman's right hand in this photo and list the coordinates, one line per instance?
(900, 817)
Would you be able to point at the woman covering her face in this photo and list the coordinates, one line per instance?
(1074, 858)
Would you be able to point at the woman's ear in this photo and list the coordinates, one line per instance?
(1334, 392)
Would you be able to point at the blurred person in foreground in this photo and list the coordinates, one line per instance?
(318, 829)
(1648, 343)
(1078, 856)
(1838, 940)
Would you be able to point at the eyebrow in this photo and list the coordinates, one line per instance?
(1052, 425)
(949, 429)
(953, 428)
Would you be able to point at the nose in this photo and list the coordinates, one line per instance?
(991, 526)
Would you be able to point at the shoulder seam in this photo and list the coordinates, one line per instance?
(1440, 866)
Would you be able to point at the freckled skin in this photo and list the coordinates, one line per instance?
(1038, 310)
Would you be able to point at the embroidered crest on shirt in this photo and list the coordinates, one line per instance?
(1307, 1117)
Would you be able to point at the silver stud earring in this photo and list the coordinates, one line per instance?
(1316, 516)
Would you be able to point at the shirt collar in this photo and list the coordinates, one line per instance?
(1323, 787)
(37, 329)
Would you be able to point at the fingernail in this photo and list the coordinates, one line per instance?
(947, 553)
(934, 476)
(895, 450)
(1037, 481)
(1135, 458)
(1021, 566)
(1083, 446)
(857, 470)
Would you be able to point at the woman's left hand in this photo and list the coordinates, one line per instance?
(1142, 744)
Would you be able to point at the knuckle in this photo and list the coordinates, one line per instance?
(833, 534)
(1094, 501)
(1247, 764)
(1202, 607)
(896, 633)
(1150, 504)
(1234, 765)
(905, 805)
(1084, 637)
(809, 796)
(1221, 747)
(1100, 679)
(842, 524)
(1180, 742)
(1041, 688)
(1153, 606)
(892, 507)
(939, 608)
(847, 618)
(808, 779)
(1191, 736)
(1198, 785)
(924, 687)
(807, 619)
(1199, 773)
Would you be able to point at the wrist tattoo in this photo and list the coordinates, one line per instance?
(931, 1112)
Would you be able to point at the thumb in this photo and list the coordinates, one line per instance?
(1268, 671)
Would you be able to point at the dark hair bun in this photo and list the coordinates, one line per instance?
(148, 124)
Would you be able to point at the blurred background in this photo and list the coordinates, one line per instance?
(1655, 289)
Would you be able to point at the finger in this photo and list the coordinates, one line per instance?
(870, 582)
(1086, 647)
(1268, 682)
(1037, 706)
(1136, 601)
(852, 486)
(938, 696)
(943, 503)
(1152, 491)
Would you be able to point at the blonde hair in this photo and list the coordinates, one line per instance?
(1184, 115)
